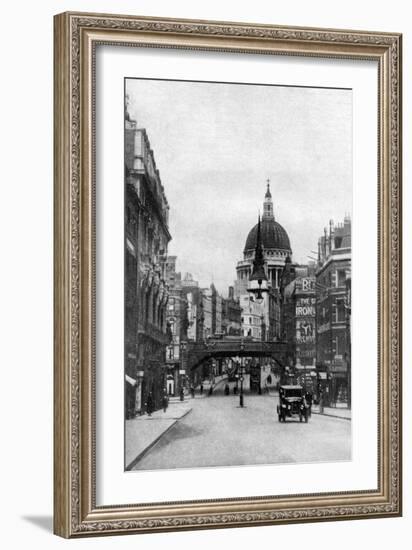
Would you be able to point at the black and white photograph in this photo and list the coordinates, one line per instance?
(237, 274)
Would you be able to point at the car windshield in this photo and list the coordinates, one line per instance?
(293, 392)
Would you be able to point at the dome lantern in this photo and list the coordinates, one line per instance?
(268, 204)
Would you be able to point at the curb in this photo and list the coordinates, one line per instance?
(332, 416)
(153, 443)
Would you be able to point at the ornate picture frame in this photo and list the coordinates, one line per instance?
(76, 36)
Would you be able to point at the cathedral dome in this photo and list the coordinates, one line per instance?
(273, 236)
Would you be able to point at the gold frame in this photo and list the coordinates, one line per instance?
(75, 39)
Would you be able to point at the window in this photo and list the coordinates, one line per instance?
(338, 311)
(341, 277)
(341, 311)
(337, 345)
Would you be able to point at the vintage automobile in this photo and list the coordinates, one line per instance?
(292, 403)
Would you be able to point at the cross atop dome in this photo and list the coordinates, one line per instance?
(268, 204)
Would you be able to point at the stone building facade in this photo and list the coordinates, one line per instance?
(333, 276)
(177, 319)
(299, 323)
(231, 315)
(252, 317)
(146, 294)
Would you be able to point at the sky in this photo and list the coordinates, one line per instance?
(216, 144)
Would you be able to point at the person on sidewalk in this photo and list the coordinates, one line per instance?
(192, 391)
(226, 389)
(321, 402)
(201, 388)
(309, 399)
(182, 394)
(149, 404)
(165, 402)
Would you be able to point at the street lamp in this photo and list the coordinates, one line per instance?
(138, 398)
(242, 347)
(258, 281)
(182, 371)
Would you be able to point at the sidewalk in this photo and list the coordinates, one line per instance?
(337, 412)
(142, 432)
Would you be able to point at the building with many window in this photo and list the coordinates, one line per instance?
(177, 318)
(252, 317)
(333, 274)
(299, 322)
(231, 315)
(146, 294)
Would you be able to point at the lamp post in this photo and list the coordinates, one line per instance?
(182, 370)
(242, 347)
(138, 401)
(258, 280)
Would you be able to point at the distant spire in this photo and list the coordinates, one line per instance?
(268, 194)
(268, 204)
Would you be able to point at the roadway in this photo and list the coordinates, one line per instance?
(217, 432)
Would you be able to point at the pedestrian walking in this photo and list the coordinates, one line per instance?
(321, 402)
(201, 388)
(192, 391)
(182, 394)
(165, 402)
(309, 399)
(149, 404)
(226, 389)
(210, 389)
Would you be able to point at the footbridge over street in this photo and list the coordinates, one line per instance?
(197, 353)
